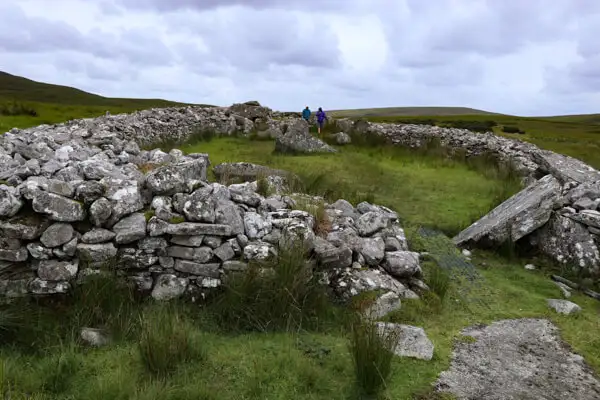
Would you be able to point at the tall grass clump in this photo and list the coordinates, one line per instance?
(437, 278)
(316, 208)
(371, 351)
(279, 294)
(167, 341)
(105, 301)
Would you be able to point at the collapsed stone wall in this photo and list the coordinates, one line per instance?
(557, 212)
(82, 196)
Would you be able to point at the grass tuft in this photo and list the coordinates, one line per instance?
(280, 294)
(372, 359)
(166, 341)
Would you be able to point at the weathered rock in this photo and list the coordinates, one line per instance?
(102, 252)
(130, 229)
(168, 287)
(256, 226)
(57, 234)
(199, 254)
(518, 216)
(245, 172)
(297, 139)
(402, 264)
(373, 250)
(10, 202)
(94, 337)
(53, 270)
(57, 208)
(197, 268)
(259, 251)
(563, 306)
(38, 251)
(569, 243)
(407, 341)
(383, 305)
(512, 359)
(190, 241)
(42, 287)
(157, 227)
(342, 138)
(125, 198)
(98, 235)
(14, 255)
(565, 168)
(330, 256)
(371, 222)
(225, 252)
(235, 266)
(100, 211)
(181, 177)
(587, 217)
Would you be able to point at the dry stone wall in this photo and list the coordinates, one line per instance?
(80, 197)
(557, 212)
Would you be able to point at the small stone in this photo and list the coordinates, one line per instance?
(563, 306)
(408, 341)
(94, 337)
(57, 234)
(225, 252)
(168, 287)
(130, 229)
(530, 267)
(53, 270)
(98, 235)
(194, 268)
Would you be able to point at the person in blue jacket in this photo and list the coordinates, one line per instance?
(306, 114)
(321, 117)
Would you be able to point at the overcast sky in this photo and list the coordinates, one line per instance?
(524, 57)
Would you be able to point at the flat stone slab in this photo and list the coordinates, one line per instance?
(565, 168)
(518, 216)
(517, 359)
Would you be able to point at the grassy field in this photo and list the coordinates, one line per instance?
(576, 136)
(183, 351)
(407, 111)
(25, 103)
(218, 351)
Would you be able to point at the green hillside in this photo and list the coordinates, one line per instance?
(407, 111)
(25, 103)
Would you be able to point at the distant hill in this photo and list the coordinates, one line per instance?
(408, 111)
(17, 88)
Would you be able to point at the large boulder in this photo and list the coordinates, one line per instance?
(569, 243)
(297, 139)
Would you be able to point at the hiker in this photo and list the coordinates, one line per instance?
(306, 114)
(321, 117)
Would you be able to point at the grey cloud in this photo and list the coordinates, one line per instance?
(22, 33)
(175, 5)
(252, 40)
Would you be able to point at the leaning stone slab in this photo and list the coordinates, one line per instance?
(565, 168)
(517, 359)
(518, 216)
(408, 341)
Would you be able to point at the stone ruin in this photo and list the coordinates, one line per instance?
(79, 197)
(555, 214)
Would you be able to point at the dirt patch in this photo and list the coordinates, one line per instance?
(517, 359)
